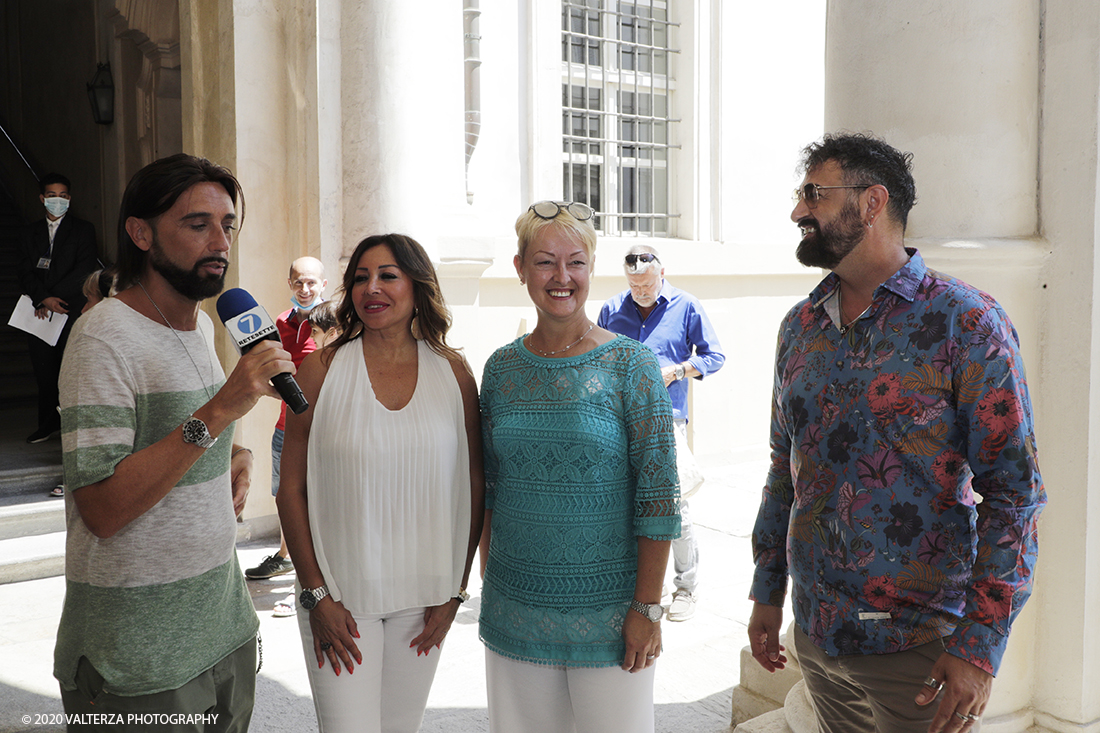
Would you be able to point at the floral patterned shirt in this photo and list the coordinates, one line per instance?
(881, 438)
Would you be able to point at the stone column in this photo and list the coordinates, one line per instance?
(1066, 681)
(403, 120)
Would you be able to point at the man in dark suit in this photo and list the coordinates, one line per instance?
(57, 254)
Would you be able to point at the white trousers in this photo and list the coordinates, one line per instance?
(533, 698)
(388, 692)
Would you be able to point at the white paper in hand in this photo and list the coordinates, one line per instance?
(47, 329)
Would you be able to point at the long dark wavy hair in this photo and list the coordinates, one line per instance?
(432, 315)
(152, 191)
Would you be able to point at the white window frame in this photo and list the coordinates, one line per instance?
(694, 166)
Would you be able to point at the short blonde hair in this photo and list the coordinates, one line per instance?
(99, 285)
(529, 224)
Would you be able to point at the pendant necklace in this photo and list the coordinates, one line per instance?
(567, 348)
(840, 308)
(202, 381)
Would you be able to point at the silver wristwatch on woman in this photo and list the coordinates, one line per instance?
(652, 611)
(310, 597)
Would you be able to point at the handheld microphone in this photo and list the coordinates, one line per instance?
(248, 323)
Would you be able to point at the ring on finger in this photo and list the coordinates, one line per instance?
(325, 646)
(966, 718)
(934, 683)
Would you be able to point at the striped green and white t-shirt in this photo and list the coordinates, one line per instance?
(163, 599)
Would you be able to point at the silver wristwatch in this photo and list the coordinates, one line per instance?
(680, 372)
(652, 611)
(195, 432)
(310, 597)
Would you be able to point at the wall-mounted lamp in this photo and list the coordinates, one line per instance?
(101, 93)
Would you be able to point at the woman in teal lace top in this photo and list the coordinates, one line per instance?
(582, 501)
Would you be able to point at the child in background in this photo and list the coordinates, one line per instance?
(98, 286)
(322, 322)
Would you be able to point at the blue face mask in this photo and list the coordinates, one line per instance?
(306, 308)
(57, 206)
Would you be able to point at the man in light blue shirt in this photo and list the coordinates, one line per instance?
(674, 325)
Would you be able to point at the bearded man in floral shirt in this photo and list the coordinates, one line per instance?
(899, 396)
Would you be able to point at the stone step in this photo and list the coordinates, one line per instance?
(32, 557)
(27, 520)
(32, 525)
(28, 484)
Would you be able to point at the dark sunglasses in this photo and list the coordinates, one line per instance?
(643, 257)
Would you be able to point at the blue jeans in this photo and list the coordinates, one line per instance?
(276, 456)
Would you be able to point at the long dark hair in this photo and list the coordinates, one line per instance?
(432, 316)
(152, 191)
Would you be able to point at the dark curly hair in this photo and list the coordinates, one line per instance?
(432, 316)
(864, 158)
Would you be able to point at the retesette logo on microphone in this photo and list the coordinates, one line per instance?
(249, 327)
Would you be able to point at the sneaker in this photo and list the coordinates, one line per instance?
(683, 606)
(271, 566)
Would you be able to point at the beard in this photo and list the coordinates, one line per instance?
(827, 245)
(191, 284)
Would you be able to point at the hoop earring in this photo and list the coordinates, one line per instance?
(414, 326)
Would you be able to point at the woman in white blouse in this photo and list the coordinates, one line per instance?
(382, 496)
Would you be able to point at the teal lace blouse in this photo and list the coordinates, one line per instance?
(579, 461)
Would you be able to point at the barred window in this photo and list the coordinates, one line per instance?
(616, 113)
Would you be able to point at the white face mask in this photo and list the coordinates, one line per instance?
(306, 308)
(57, 206)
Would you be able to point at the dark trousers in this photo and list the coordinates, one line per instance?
(46, 361)
(873, 693)
(220, 699)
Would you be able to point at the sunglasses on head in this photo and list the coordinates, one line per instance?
(646, 257)
(551, 209)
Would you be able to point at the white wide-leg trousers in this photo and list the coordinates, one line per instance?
(389, 691)
(533, 698)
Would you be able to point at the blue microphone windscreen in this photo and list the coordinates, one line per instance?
(234, 302)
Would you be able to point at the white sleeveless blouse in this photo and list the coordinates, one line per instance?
(389, 490)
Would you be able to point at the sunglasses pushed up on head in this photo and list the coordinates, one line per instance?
(646, 257)
(551, 209)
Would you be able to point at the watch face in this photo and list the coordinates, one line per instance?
(307, 600)
(655, 612)
(194, 431)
